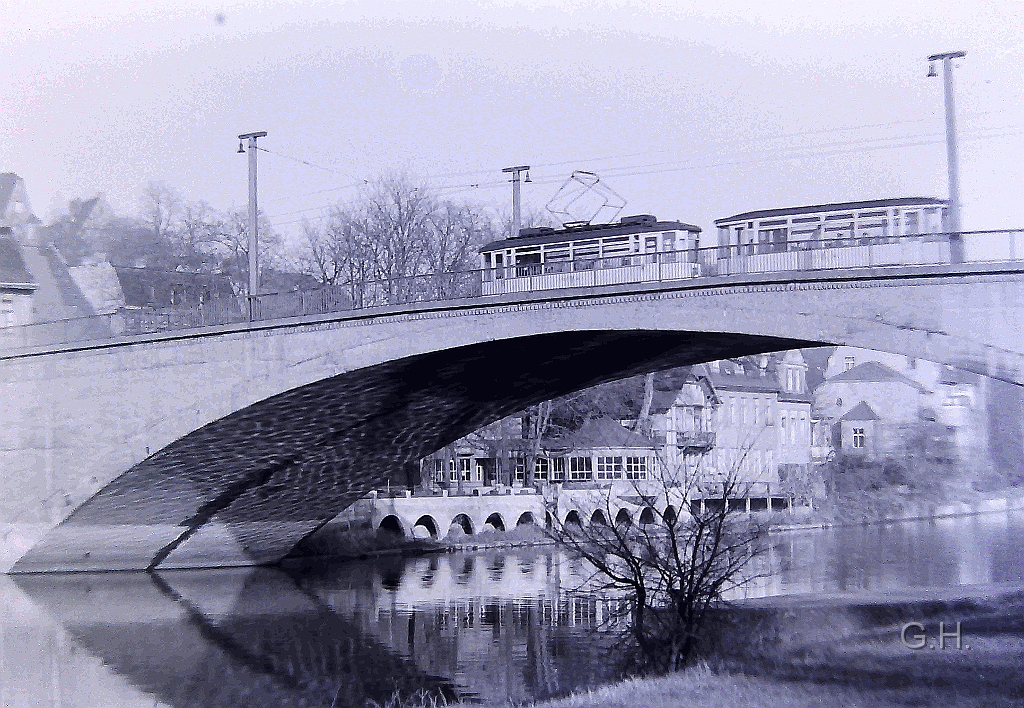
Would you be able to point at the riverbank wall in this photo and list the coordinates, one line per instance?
(918, 511)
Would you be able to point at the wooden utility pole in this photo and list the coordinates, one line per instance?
(254, 282)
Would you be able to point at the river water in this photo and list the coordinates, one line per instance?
(491, 625)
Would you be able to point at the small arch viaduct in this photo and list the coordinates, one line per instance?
(228, 445)
(422, 517)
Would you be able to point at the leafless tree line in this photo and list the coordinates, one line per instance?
(393, 240)
(398, 238)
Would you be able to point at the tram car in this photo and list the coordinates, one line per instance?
(635, 249)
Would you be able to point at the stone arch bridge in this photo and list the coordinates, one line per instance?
(228, 445)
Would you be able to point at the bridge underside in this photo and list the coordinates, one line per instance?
(245, 489)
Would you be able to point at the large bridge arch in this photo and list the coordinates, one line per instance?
(228, 445)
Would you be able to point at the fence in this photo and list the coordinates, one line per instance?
(716, 261)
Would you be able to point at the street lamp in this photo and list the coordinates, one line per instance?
(956, 245)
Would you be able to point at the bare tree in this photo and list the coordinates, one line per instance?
(340, 252)
(398, 219)
(395, 242)
(674, 552)
(161, 211)
(231, 246)
(457, 231)
(200, 233)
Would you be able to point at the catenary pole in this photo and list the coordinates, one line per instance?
(516, 196)
(956, 247)
(253, 241)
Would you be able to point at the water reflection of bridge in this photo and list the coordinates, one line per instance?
(231, 638)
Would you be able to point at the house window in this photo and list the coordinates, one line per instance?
(609, 468)
(541, 467)
(465, 466)
(520, 468)
(849, 362)
(859, 439)
(558, 469)
(636, 468)
(479, 471)
(581, 468)
(452, 474)
(439, 471)
(7, 318)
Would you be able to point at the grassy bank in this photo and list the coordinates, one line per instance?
(703, 688)
(818, 653)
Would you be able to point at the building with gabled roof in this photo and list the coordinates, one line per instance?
(895, 398)
(42, 289)
(856, 431)
(876, 372)
(16, 284)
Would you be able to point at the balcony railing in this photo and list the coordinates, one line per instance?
(695, 440)
(694, 264)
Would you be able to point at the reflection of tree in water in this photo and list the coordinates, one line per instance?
(525, 649)
(275, 646)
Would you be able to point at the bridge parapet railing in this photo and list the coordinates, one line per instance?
(370, 293)
(715, 261)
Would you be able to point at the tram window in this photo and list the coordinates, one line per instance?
(616, 246)
(651, 244)
(559, 252)
(668, 241)
(585, 249)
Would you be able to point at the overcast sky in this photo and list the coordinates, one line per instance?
(688, 112)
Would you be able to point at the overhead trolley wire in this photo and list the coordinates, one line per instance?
(766, 155)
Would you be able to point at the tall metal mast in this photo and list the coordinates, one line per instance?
(254, 281)
(956, 246)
